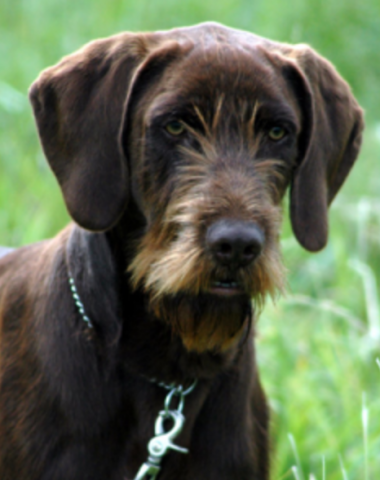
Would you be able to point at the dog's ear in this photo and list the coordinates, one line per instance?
(78, 105)
(148, 74)
(330, 142)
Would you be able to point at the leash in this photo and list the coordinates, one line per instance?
(162, 441)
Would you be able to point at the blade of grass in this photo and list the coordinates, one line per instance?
(298, 469)
(342, 468)
(372, 300)
(295, 472)
(323, 468)
(365, 417)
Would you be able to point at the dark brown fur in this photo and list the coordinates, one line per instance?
(75, 403)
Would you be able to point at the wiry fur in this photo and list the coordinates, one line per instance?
(172, 262)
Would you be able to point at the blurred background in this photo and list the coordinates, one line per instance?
(319, 347)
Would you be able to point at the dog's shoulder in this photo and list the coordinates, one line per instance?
(27, 268)
(5, 250)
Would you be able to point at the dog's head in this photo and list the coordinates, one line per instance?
(205, 127)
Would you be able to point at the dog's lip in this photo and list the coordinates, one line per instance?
(226, 288)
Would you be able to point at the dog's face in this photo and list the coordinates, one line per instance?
(205, 127)
(211, 149)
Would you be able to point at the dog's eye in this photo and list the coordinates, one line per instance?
(276, 133)
(175, 128)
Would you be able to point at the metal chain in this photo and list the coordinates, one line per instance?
(78, 302)
(162, 442)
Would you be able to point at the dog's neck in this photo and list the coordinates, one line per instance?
(97, 262)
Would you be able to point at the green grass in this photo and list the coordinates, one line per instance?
(319, 347)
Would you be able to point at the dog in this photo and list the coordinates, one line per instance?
(127, 340)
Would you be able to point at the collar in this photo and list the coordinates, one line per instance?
(78, 302)
(163, 440)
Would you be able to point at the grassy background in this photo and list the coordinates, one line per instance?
(319, 346)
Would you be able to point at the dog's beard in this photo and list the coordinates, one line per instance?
(179, 274)
(179, 281)
(183, 266)
(205, 322)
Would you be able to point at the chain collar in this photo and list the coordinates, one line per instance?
(163, 440)
(78, 302)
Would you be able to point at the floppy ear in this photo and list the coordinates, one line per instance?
(148, 73)
(78, 106)
(333, 122)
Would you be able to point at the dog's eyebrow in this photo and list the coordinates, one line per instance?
(202, 119)
(168, 106)
(218, 110)
(272, 112)
(252, 120)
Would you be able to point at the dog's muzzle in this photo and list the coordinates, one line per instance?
(233, 245)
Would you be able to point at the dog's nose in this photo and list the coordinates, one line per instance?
(234, 243)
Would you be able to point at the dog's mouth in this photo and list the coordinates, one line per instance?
(226, 288)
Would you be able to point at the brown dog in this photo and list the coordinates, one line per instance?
(173, 151)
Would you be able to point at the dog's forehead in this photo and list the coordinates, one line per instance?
(220, 70)
(209, 34)
(222, 61)
(223, 68)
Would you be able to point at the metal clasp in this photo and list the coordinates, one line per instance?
(162, 442)
(159, 445)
